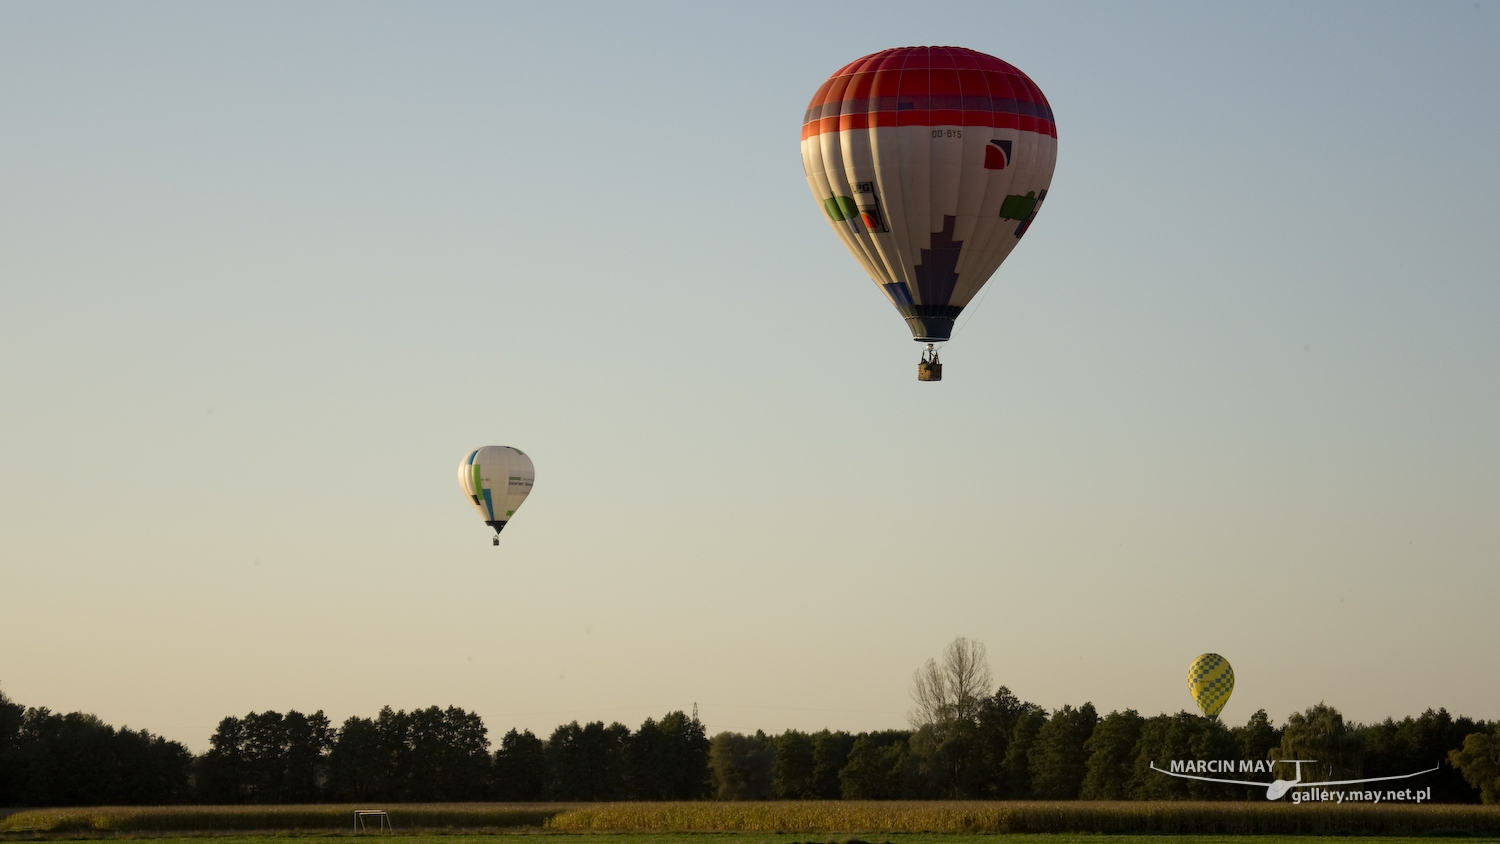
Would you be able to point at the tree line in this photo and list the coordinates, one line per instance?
(432, 754)
(965, 742)
(1017, 750)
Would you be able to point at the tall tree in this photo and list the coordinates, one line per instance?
(683, 760)
(1319, 733)
(1392, 748)
(792, 767)
(933, 763)
(587, 763)
(447, 755)
(878, 767)
(78, 760)
(309, 738)
(264, 749)
(1111, 756)
(520, 768)
(951, 692)
(1255, 741)
(645, 762)
(361, 765)
(830, 753)
(1058, 760)
(1479, 762)
(741, 766)
(427, 754)
(1015, 766)
(948, 700)
(11, 715)
(998, 719)
(1185, 735)
(1257, 738)
(267, 757)
(221, 771)
(152, 769)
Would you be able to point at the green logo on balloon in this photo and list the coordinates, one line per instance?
(840, 208)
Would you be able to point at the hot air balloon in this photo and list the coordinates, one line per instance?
(497, 479)
(930, 164)
(1211, 681)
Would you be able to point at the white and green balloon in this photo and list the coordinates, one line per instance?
(497, 479)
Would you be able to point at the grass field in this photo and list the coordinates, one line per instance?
(781, 822)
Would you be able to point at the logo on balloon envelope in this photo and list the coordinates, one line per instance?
(869, 207)
(996, 155)
(1022, 208)
(863, 207)
(839, 208)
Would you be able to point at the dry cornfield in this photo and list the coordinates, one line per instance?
(784, 817)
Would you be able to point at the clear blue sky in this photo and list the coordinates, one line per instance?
(268, 271)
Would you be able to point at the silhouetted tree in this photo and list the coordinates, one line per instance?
(78, 760)
(1058, 759)
(1111, 756)
(948, 699)
(994, 746)
(1319, 733)
(521, 767)
(953, 690)
(1181, 736)
(1015, 767)
(830, 751)
(1255, 741)
(153, 771)
(11, 716)
(1479, 762)
(878, 767)
(266, 757)
(1258, 737)
(792, 767)
(998, 719)
(447, 755)
(1392, 748)
(427, 754)
(587, 763)
(305, 770)
(680, 760)
(221, 771)
(741, 765)
(361, 763)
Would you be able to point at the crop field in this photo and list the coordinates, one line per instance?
(780, 822)
(765, 838)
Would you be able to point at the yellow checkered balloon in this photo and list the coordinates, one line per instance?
(1211, 681)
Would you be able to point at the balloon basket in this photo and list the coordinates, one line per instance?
(928, 368)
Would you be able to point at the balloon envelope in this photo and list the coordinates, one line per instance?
(930, 164)
(496, 479)
(1211, 681)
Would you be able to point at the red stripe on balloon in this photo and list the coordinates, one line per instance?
(928, 86)
(876, 119)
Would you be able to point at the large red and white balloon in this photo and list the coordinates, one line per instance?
(931, 163)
